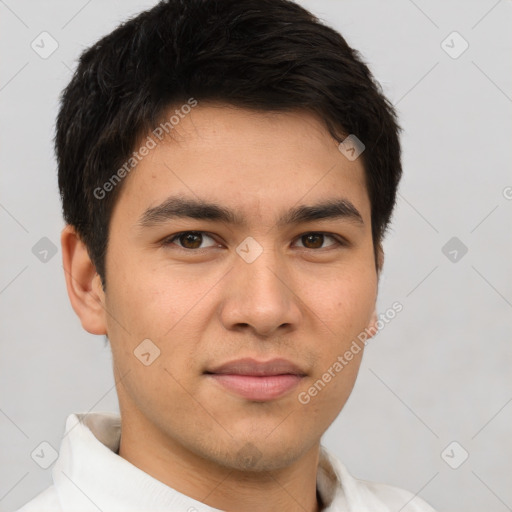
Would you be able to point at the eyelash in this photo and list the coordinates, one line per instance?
(339, 241)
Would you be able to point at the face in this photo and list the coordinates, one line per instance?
(246, 306)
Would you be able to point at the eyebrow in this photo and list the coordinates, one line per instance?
(175, 207)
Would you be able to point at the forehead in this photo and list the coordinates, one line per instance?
(254, 162)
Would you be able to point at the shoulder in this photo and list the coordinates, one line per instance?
(45, 501)
(395, 497)
(362, 495)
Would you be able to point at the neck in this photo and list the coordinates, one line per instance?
(285, 490)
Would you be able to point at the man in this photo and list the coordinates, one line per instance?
(227, 170)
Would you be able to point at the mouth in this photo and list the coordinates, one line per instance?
(259, 381)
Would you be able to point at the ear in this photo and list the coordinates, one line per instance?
(372, 328)
(84, 286)
(379, 258)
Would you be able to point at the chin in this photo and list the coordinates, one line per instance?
(260, 455)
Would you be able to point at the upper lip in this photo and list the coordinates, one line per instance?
(250, 366)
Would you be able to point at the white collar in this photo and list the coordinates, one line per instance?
(89, 476)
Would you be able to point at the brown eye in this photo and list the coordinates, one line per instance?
(316, 240)
(189, 240)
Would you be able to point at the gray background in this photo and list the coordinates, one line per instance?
(438, 373)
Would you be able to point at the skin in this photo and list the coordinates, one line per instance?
(300, 300)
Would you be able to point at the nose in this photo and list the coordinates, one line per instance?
(261, 296)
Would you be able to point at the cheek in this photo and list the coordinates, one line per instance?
(159, 306)
(328, 390)
(344, 305)
(146, 301)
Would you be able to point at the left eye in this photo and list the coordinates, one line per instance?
(316, 240)
(191, 240)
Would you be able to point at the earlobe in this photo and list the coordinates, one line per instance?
(372, 328)
(83, 284)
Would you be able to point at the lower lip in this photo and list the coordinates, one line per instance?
(256, 388)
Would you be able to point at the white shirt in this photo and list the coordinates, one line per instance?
(89, 476)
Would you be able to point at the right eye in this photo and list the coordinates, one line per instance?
(188, 240)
